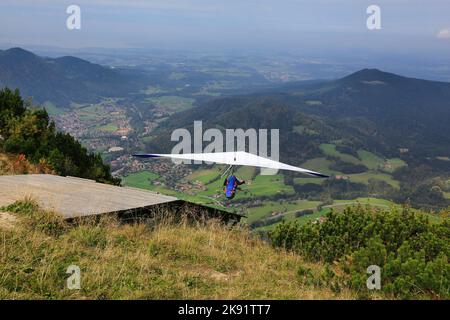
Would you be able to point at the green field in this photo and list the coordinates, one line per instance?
(268, 185)
(319, 164)
(284, 207)
(330, 150)
(204, 175)
(142, 180)
(172, 104)
(370, 160)
(393, 164)
(338, 205)
(110, 127)
(93, 112)
(366, 176)
(301, 220)
(370, 201)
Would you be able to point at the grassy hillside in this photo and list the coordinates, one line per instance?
(136, 261)
(188, 260)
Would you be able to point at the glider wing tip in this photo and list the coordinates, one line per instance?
(145, 155)
(321, 175)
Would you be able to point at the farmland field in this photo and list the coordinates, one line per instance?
(142, 180)
(366, 176)
(281, 207)
(204, 175)
(393, 164)
(172, 104)
(370, 160)
(110, 127)
(330, 149)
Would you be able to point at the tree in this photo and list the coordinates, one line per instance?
(32, 133)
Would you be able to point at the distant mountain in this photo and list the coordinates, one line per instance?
(372, 109)
(398, 111)
(62, 80)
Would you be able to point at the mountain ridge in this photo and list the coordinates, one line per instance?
(62, 80)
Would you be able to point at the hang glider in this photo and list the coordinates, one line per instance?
(238, 158)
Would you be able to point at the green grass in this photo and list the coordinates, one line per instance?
(305, 219)
(142, 180)
(173, 104)
(330, 149)
(270, 207)
(110, 127)
(133, 261)
(366, 176)
(370, 201)
(319, 165)
(91, 113)
(301, 220)
(303, 181)
(393, 164)
(268, 185)
(338, 205)
(447, 195)
(204, 175)
(370, 160)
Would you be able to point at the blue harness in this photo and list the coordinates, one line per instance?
(231, 186)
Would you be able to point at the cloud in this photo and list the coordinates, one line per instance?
(443, 34)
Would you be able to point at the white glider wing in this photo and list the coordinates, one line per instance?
(238, 158)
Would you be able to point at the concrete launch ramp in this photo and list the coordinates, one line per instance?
(75, 197)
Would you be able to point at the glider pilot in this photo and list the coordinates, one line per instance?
(231, 185)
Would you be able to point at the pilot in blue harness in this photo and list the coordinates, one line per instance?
(231, 185)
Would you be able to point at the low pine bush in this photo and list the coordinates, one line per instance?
(412, 252)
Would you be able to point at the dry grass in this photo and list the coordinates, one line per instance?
(18, 164)
(7, 221)
(167, 261)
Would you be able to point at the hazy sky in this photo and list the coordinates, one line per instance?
(421, 26)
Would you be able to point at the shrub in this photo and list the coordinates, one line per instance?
(412, 252)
